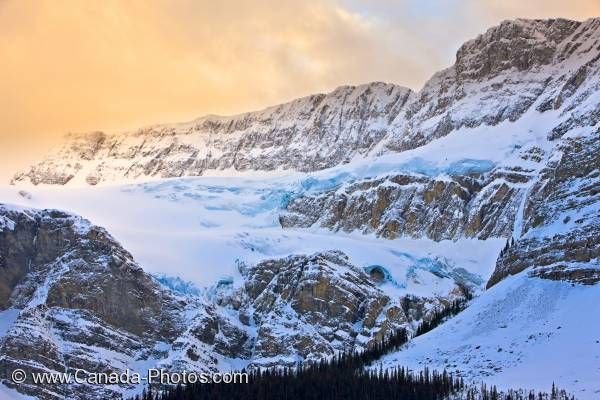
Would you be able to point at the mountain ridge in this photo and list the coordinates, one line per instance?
(324, 130)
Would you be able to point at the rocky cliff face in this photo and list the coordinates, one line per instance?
(536, 78)
(77, 300)
(497, 77)
(550, 211)
(561, 230)
(307, 134)
(307, 307)
(479, 206)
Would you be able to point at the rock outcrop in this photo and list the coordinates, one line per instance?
(561, 225)
(310, 307)
(82, 303)
(439, 208)
(498, 77)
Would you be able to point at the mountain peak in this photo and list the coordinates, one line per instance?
(522, 44)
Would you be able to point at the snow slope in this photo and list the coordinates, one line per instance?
(524, 332)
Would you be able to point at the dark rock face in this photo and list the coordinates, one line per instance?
(57, 243)
(82, 303)
(561, 237)
(415, 206)
(573, 257)
(307, 307)
(513, 44)
(74, 284)
(324, 291)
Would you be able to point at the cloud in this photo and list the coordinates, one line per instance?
(575, 9)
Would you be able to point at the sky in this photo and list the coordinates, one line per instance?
(112, 65)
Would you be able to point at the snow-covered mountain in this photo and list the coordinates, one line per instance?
(307, 134)
(384, 205)
(72, 298)
(533, 322)
(549, 66)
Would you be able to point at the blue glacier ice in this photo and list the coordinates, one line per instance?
(177, 285)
